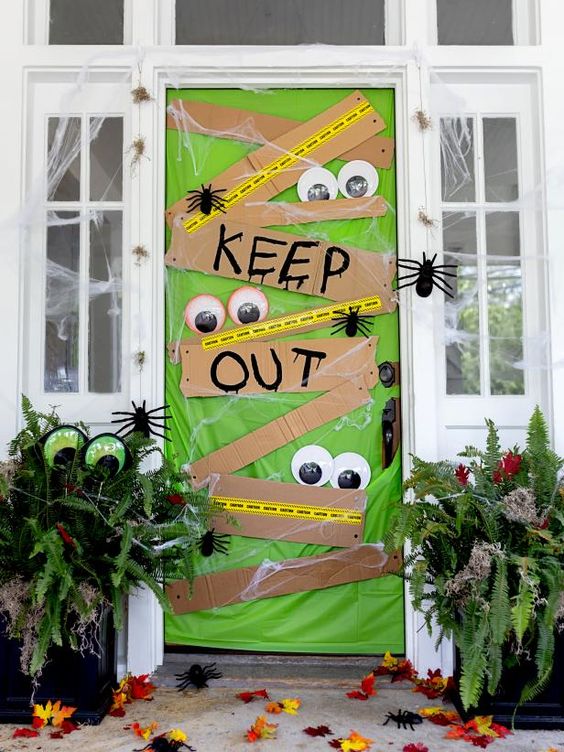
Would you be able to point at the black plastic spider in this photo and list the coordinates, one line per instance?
(211, 542)
(404, 718)
(352, 322)
(206, 200)
(425, 275)
(143, 420)
(198, 676)
(162, 744)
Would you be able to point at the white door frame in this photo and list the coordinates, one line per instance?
(145, 634)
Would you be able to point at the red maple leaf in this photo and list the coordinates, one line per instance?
(357, 695)
(335, 743)
(318, 731)
(140, 688)
(25, 732)
(417, 747)
(462, 474)
(250, 696)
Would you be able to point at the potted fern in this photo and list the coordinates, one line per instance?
(487, 566)
(81, 525)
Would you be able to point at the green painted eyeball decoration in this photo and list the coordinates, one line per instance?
(107, 454)
(61, 445)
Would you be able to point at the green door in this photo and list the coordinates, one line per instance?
(202, 143)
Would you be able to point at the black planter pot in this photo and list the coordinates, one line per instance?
(84, 682)
(546, 711)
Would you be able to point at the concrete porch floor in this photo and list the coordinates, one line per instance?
(215, 720)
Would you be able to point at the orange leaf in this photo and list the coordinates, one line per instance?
(273, 707)
(367, 684)
(61, 713)
(146, 732)
(261, 729)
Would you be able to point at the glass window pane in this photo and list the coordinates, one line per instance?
(500, 159)
(505, 306)
(106, 161)
(457, 159)
(462, 316)
(62, 302)
(63, 159)
(475, 22)
(86, 22)
(275, 22)
(104, 322)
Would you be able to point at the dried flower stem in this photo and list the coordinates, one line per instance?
(423, 120)
(141, 253)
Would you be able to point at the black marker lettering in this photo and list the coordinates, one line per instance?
(220, 384)
(273, 387)
(222, 248)
(327, 271)
(254, 271)
(309, 355)
(284, 277)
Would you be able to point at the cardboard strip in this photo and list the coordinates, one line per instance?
(242, 452)
(259, 128)
(303, 321)
(281, 148)
(270, 579)
(265, 214)
(281, 259)
(313, 365)
(288, 511)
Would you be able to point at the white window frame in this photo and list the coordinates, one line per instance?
(46, 99)
(480, 96)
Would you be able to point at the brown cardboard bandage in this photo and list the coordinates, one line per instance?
(242, 170)
(309, 530)
(313, 365)
(258, 128)
(264, 214)
(330, 270)
(363, 562)
(242, 452)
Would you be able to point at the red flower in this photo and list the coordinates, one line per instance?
(462, 474)
(510, 464)
(497, 476)
(65, 536)
(176, 499)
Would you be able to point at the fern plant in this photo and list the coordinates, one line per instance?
(486, 561)
(74, 540)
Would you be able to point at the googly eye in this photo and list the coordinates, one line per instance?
(312, 465)
(61, 445)
(317, 184)
(204, 314)
(106, 454)
(247, 305)
(350, 470)
(357, 179)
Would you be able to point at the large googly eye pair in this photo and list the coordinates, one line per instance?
(356, 179)
(205, 314)
(312, 465)
(105, 453)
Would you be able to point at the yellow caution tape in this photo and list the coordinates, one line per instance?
(288, 323)
(288, 159)
(293, 511)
